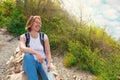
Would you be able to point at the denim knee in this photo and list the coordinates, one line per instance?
(29, 66)
(28, 56)
(27, 59)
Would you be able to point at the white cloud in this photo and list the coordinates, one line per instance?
(89, 11)
(99, 19)
(114, 23)
(118, 29)
(94, 2)
(109, 12)
(116, 32)
(114, 3)
(73, 7)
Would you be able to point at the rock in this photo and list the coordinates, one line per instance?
(74, 77)
(17, 76)
(118, 77)
(10, 60)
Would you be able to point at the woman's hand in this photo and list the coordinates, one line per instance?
(48, 67)
(40, 57)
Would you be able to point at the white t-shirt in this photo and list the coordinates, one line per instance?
(35, 44)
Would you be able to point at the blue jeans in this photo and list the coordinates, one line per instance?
(32, 67)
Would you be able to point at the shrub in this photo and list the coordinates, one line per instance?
(5, 11)
(70, 60)
(16, 23)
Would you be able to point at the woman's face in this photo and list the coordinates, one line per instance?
(36, 25)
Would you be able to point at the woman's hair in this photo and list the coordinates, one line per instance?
(31, 21)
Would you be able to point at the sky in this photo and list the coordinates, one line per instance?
(104, 13)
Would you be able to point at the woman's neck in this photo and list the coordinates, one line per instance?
(34, 34)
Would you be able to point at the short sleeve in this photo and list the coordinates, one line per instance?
(23, 35)
(45, 37)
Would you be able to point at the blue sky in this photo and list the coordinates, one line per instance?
(105, 13)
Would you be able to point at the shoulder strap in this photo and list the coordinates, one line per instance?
(41, 34)
(27, 35)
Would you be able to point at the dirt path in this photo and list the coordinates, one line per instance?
(70, 73)
(7, 49)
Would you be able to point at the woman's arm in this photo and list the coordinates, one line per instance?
(48, 53)
(25, 49)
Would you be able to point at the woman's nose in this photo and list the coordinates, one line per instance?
(38, 24)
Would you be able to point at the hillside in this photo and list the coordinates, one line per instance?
(8, 45)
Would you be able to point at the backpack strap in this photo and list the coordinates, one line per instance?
(27, 35)
(41, 34)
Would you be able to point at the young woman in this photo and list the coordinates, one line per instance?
(35, 55)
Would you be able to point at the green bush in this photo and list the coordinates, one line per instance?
(5, 11)
(16, 23)
(2, 21)
(70, 60)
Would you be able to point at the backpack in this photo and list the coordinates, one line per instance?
(41, 36)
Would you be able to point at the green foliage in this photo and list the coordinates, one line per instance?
(118, 41)
(5, 10)
(12, 18)
(2, 21)
(70, 60)
(16, 23)
(95, 51)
